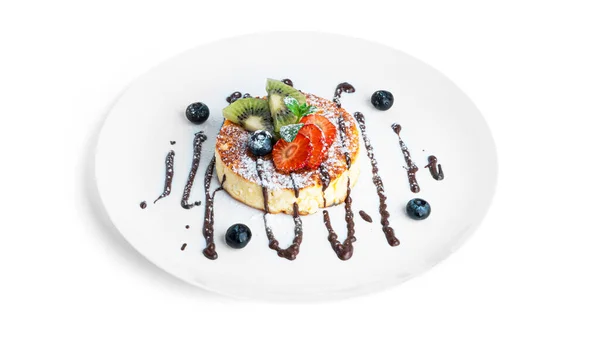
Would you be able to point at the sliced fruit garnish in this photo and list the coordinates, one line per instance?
(317, 142)
(329, 130)
(291, 156)
(280, 113)
(251, 113)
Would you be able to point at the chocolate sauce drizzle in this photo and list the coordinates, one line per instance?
(325, 181)
(168, 175)
(411, 168)
(288, 82)
(143, 205)
(342, 87)
(296, 190)
(183, 246)
(365, 216)
(344, 250)
(293, 250)
(342, 128)
(233, 97)
(209, 212)
(385, 215)
(199, 138)
(434, 168)
(173, 142)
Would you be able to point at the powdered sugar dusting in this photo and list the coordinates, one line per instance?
(232, 145)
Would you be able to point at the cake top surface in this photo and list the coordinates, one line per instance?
(232, 147)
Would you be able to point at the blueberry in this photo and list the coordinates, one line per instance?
(382, 100)
(260, 143)
(238, 236)
(418, 209)
(197, 113)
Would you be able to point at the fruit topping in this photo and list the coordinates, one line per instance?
(291, 156)
(260, 143)
(418, 209)
(382, 100)
(280, 113)
(238, 236)
(317, 142)
(289, 132)
(329, 130)
(251, 113)
(197, 113)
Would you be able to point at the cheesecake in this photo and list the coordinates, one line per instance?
(310, 189)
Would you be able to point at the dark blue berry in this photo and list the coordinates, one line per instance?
(238, 236)
(260, 143)
(382, 100)
(197, 113)
(418, 209)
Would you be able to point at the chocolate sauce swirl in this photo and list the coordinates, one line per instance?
(411, 168)
(168, 175)
(342, 87)
(209, 212)
(434, 168)
(199, 138)
(233, 97)
(385, 215)
(344, 250)
(288, 82)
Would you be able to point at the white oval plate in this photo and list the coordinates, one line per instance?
(437, 118)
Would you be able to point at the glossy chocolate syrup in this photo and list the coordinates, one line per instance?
(183, 246)
(168, 175)
(344, 250)
(143, 205)
(288, 82)
(296, 190)
(233, 97)
(199, 138)
(434, 168)
(325, 181)
(411, 168)
(209, 212)
(342, 129)
(385, 215)
(292, 251)
(365, 216)
(342, 87)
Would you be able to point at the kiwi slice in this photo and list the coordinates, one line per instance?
(277, 91)
(251, 113)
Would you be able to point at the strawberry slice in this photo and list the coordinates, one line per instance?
(291, 156)
(317, 142)
(329, 130)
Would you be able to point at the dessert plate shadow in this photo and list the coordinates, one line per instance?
(437, 118)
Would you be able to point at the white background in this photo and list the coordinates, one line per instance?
(532, 67)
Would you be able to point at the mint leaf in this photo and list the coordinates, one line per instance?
(289, 132)
(292, 104)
